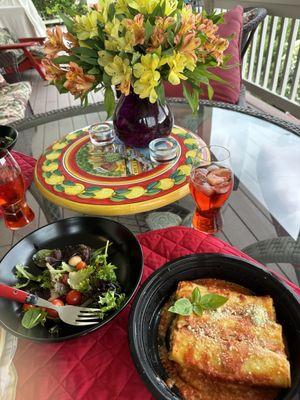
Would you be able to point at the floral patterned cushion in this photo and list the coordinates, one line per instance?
(13, 101)
(6, 37)
(2, 81)
(37, 51)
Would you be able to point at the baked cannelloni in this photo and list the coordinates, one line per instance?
(238, 342)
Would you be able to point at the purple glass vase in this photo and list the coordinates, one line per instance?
(137, 121)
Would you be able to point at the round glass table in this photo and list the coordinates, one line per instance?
(263, 212)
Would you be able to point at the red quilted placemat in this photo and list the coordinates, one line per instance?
(98, 366)
(26, 164)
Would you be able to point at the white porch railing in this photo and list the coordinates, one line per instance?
(271, 66)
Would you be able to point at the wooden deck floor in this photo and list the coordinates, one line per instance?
(242, 217)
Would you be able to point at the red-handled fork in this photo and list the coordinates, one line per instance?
(72, 315)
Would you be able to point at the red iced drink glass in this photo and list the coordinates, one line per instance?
(211, 183)
(16, 211)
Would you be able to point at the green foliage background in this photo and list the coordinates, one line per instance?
(50, 8)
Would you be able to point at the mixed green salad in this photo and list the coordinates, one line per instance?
(5, 141)
(75, 275)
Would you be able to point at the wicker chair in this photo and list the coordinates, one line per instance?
(278, 250)
(252, 18)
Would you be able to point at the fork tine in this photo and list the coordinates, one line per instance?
(84, 309)
(86, 318)
(95, 315)
(88, 313)
(85, 323)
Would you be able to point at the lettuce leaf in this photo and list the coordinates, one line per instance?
(24, 276)
(56, 273)
(107, 273)
(79, 280)
(109, 301)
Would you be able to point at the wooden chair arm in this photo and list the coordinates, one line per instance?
(15, 46)
(33, 39)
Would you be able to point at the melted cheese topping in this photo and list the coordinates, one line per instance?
(235, 352)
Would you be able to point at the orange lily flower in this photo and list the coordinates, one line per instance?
(54, 42)
(78, 83)
(53, 72)
(136, 26)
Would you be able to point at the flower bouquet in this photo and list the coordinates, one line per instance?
(135, 45)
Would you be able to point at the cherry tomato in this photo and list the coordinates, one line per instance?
(64, 279)
(80, 265)
(74, 297)
(27, 306)
(53, 313)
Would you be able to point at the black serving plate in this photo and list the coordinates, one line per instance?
(156, 290)
(11, 132)
(125, 253)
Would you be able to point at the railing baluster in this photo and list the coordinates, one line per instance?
(245, 64)
(252, 56)
(270, 51)
(261, 49)
(289, 54)
(296, 79)
(278, 58)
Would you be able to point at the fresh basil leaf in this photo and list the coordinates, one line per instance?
(33, 317)
(196, 296)
(198, 309)
(182, 307)
(212, 301)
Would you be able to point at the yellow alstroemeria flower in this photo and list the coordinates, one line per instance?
(105, 58)
(120, 71)
(143, 6)
(170, 6)
(102, 7)
(111, 45)
(112, 28)
(148, 76)
(123, 43)
(177, 64)
(121, 7)
(126, 43)
(86, 25)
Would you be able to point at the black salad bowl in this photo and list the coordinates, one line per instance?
(125, 253)
(10, 132)
(157, 289)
